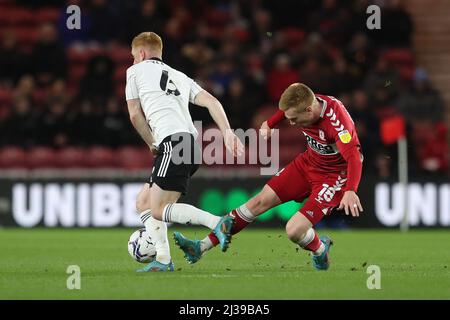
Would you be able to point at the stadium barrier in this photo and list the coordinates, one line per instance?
(107, 199)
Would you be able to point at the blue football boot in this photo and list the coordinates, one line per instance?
(322, 262)
(223, 231)
(156, 266)
(191, 248)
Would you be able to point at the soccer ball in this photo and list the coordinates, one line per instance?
(141, 247)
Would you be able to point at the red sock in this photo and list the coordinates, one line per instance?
(239, 224)
(314, 245)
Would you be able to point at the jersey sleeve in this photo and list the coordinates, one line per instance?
(194, 90)
(342, 129)
(276, 118)
(131, 90)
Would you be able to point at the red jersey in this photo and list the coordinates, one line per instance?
(329, 138)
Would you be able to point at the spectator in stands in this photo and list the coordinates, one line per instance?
(84, 128)
(151, 16)
(97, 84)
(25, 88)
(104, 24)
(316, 75)
(12, 61)
(280, 77)
(382, 75)
(360, 55)
(343, 81)
(53, 126)
(223, 74)
(58, 93)
(397, 26)
(421, 102)
(366, 123)
(239, 104)
(49, 57)
(114, 124)
(22, 124)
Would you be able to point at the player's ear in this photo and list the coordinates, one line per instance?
(142, 53)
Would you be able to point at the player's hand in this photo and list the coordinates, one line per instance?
(265, 130)
(350, 203)
(233, 144)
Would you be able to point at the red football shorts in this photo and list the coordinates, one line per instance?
(298, 181)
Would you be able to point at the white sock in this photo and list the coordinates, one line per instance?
(186, 214)
(244, 213)
(158, 232)
(320, 250)
(206, 244)
(309, 236)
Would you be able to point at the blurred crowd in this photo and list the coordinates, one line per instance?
(64, 87)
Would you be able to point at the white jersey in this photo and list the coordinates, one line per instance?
(164, 94)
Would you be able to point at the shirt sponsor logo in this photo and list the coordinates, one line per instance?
(345, 136)
(321, 135)
(321, 148)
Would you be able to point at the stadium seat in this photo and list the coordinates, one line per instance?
(26, 35)
(12, 158)
(48, 15)
(71, 157)
(293, 36)
(100, 157)
(41, 157)
(133, 158)
(5, 96)
(400, 57)
(76, 72)
(121, 55)
(120, 74)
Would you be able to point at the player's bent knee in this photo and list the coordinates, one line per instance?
(293, 232)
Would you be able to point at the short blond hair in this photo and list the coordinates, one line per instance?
(149, 40)
(297, 95)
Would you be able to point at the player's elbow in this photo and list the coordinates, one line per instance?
(134, 117)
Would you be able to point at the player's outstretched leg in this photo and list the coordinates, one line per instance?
(243, 216)
(156, 266)
(191, 248)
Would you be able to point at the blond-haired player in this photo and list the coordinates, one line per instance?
(158, 97)
(327, 173)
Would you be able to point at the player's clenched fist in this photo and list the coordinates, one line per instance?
(350, 203)
(265, 130)
(233, 144)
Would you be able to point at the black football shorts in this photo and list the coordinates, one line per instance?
(177, 159)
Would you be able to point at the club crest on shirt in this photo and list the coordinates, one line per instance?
(345, 136)
(321, 135)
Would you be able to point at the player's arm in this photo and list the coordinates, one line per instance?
(267, 126)
(215, 108)
(137, 116)
(350, 201)
(139, 122)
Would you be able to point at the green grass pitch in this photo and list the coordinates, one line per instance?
(260, 264)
